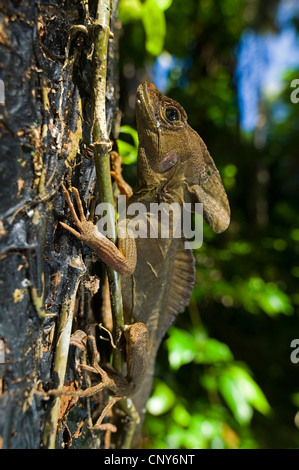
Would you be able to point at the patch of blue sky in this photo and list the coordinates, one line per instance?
(252, 62)
(262, 60)
(286, 11)
(166, 66)
(163, 64)
(283, 49)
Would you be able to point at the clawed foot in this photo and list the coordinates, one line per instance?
(78, 221)
(106, 250)
(86, 227)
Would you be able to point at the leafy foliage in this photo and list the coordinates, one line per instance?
(151, 13)
(225, 379)
(127, 150)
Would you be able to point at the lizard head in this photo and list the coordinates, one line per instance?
(173, 160)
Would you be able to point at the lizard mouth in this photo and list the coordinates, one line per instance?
(146, 92)
(142, 96)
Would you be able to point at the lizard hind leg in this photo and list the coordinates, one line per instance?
(98, 425)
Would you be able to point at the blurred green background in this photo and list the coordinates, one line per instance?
(224, 377)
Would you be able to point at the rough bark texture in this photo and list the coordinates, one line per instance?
(45, 116)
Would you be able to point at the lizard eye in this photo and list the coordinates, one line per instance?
(172, 114)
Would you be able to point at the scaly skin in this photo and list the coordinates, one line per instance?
(174, 165)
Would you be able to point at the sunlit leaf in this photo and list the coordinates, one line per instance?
(181, 347)
(275, 301)
(267, 296)
(131, 131)
(163, 4)
(233, 396)
(184, 347)
(242, 394)
(161, 401)
(175, 436)
(250, 389)
(129, 10)
(181, 415)
(126, 150)
(203, 429)
(154, 25)
(210, 350)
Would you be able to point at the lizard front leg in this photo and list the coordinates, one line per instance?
(122, 258)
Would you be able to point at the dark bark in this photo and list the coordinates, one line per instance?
(43, 121)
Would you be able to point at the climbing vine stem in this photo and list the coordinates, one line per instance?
(102, 148)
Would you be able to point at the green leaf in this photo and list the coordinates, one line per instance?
(269, 297)
(181, 415)
(126, 150)
(251, 390)
(184, 348)
(181, 347)
(242, 394)
(161, 401)
(129, 10)
(163, 4)
(210, 350)
(131, 131)
(151, 13)
(275, 301)
(233, 396)
(154, 25)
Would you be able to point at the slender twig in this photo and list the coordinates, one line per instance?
(102, 148)
(134, 419)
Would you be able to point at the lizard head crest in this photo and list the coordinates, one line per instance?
(173, 161)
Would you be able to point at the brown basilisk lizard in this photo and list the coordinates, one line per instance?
(174, 165)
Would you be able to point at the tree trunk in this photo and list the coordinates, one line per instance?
(48, 280)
